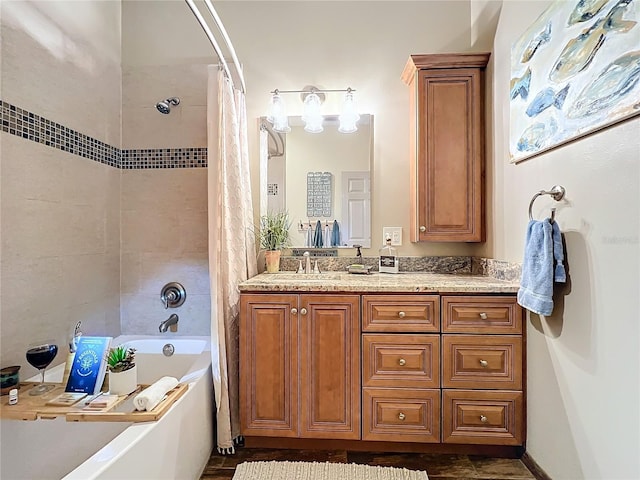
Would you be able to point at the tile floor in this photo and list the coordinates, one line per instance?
(438, 467)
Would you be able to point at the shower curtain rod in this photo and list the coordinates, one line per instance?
(215, 44)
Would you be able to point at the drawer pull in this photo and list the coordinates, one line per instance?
(402, 362)
(483, 419)
(294, 311)
(401, 416)
(303, 311)
(423, 228)
(401, 314)
(483, 363)
(483, 315)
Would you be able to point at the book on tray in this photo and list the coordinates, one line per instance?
(89, 365)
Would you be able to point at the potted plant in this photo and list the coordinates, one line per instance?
(273, 233)
(123, 373)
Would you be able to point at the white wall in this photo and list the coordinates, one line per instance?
(60, 212)
(583, 362)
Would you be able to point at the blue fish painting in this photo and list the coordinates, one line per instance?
(543, 37)
(579, 51)
(537, 136)
(520, 86)
(574, 70)
(585, 10)
(547, 98)
(615, 81)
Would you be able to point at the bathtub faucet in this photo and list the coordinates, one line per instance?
(170, 323)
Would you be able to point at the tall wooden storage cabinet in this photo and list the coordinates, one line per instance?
(447, 146)
(300, 365)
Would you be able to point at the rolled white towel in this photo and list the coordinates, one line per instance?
(153, 394)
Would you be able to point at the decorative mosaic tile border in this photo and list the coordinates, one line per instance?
(28, 125)
(164, 158)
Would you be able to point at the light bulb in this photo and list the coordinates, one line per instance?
(278, 114)
(349, 116)
(311, 114)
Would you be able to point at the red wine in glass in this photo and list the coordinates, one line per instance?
(40, 355)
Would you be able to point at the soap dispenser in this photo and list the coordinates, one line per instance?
(389, 262)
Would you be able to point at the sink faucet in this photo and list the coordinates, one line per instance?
(358, 254)
(307, 267)
(171, 323)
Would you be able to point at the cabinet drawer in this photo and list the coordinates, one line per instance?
(401, 415)
(400, 313)
(482, 417)
(482, 361)
(401, 360)
(477, 314)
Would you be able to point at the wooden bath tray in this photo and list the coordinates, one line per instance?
(34, 407)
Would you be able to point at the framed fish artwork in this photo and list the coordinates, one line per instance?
(574, 71)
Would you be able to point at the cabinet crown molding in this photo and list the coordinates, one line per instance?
(443, 60)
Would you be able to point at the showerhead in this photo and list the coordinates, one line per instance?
(165, 105)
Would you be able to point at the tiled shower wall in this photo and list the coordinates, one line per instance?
(59, 212)
(93, 225)
(164, 211)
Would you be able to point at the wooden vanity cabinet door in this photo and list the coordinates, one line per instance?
(268, 365)
(329, 366)
(447, 147)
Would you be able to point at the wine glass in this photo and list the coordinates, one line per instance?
(40, 355)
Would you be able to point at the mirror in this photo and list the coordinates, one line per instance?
(321, 176)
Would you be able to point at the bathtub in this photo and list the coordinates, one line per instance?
(177, 446)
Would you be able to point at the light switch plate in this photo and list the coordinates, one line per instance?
(395, 233)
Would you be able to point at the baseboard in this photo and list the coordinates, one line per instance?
(534, 468)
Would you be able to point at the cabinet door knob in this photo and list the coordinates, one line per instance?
(423, 228)
(402, 362)
(402, 314)
(483, 315)
(483, 363)
(294, 311)
(303, 311)
(401, 416)
(483, 419)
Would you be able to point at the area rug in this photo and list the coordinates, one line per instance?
(322, 471)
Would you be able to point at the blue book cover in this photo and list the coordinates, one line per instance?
(89, 365)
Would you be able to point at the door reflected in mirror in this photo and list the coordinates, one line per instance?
(320, 176)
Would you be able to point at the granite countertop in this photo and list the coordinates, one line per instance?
(409, 282)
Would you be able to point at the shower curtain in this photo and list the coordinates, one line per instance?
(232, 253)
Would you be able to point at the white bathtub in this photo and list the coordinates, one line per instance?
(177, 446)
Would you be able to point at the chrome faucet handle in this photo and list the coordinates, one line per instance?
(307, 267)
(300, 269)
(315, 267)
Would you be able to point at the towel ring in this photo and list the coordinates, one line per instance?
(557, 193)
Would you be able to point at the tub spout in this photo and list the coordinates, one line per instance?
(169, 323)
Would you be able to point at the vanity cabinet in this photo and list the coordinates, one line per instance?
(300, 365)
(401, 368)
(482, 370)
(447, 146)
(393, 368)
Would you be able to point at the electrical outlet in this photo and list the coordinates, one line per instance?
(395, 233)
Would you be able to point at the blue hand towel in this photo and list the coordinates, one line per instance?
(335, 235)
(542, 245)
(317, 238)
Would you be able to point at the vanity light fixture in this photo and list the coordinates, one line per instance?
(312, 99)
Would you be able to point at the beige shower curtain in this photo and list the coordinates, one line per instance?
(232, 257)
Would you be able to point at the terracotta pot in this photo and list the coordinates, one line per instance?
(273, 260)
(123, 383)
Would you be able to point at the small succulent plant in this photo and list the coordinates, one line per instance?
(121, 358)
